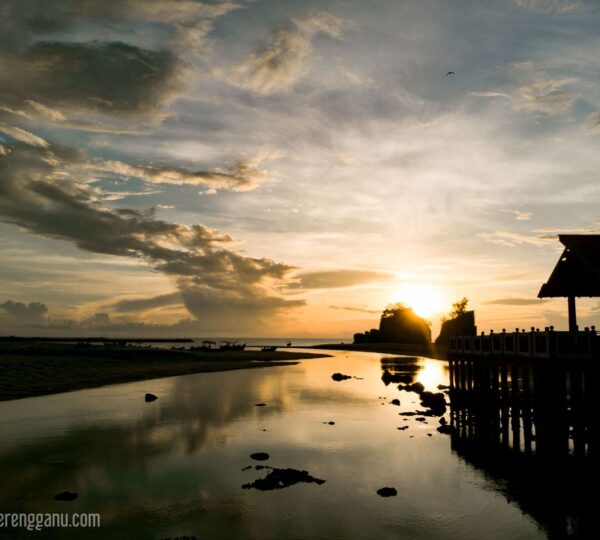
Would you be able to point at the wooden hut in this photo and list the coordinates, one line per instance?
(577, 272)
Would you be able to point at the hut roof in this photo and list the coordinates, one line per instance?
(577, 272)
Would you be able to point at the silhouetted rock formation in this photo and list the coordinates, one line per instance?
(460, 323)
(398, 324)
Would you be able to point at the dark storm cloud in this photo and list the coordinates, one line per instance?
(39, 194)
(31, 313)
(46, 70)
(337, 278)
(101, 77)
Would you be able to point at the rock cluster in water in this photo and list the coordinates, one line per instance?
(66, 496)
(387, 492)
(260, 456)
(282, 478)
(388, 377)
(340, 377)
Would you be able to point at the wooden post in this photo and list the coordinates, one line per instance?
(572, 314)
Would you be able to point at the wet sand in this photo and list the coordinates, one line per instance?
(31, 369)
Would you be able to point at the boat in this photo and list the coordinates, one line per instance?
(232, 346)
(207, 346)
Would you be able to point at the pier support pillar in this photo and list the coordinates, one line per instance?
(572, 314)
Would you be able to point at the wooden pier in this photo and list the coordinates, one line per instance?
(535, 344)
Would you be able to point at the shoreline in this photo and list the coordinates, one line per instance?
(37, 371)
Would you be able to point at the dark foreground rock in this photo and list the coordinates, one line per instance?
(260, 456)
(388, 377)
(387, 492)
(414, 387)
(340, 377)
(66, 496)
(395, 402)
(436, 402)
(282, 478)
(446, 429)
(402, 428)
(150, 397)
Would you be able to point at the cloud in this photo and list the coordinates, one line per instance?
(511, 239)
(97, 77)
(144, 304)
(243, 176)
(59, 77)
(31, 313)
(490, 94)
(551, 5)
(519, 215)
(330, 279)
(516, 301)
(594, 122)
(38, 194)
(360, 310)
(23, 136)
(49, 113)
(547, 96)
(278, 67)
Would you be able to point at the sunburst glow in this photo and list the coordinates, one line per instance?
(423, 299)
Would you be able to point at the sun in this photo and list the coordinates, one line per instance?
(424, 300)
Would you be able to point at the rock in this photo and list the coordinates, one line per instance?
(443, 387)
(150, 397)
(388, 377)
(330, 423)
(246, 468)
(260, 456)
(395, 402)
(387, 492)
(282, 478)
(448, 430)
(436, 402)
(408, 413)
(260, 404)
(429, 434)
(66, 496)
(443, 421)
(421, 419)
(340, 377)
(417, 387)
(403, 428)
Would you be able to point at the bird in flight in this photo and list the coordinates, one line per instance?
(450, 73)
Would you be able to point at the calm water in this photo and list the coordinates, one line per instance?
(174, 467)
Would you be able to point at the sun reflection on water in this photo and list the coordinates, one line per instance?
(431, 374)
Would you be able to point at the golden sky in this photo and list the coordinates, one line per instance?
(289, 168)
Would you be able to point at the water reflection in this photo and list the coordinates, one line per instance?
(174, 467)
(532, 428)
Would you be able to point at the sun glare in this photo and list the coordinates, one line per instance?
(423, 299)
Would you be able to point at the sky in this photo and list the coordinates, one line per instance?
(290, 168)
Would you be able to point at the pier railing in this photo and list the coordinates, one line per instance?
(547, 343)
